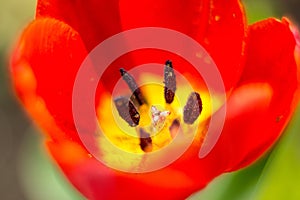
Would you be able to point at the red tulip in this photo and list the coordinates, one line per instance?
(256, 62)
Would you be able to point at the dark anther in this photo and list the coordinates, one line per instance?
(193, 108)
(174, 128)
(137, 94)
(175, 124)
(145, 141)
(170, 82)
(127, 111)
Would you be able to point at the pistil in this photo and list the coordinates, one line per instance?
(158, 118)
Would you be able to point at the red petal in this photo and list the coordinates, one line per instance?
(96, 181)
(218, 25)
(261, 106)
(245, 136)
(48, 55)
(271, 59)
(95, 20)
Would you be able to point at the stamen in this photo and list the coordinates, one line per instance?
(137, 94)
(145, 141)
(193, 108)
(127, 111)
(170, 82)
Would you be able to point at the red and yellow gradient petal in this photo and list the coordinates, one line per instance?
(44, 66)
(96, 181)
(186, 175)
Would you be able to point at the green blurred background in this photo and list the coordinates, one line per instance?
(26, 172)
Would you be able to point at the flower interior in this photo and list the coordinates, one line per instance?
(147, 117)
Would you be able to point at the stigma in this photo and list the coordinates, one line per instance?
(158, 118)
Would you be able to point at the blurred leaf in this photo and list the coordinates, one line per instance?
(234, 186)
(281, 177)
(258, 9)
(40, 178)
(14, 14)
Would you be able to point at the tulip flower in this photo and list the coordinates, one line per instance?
(256, 63)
